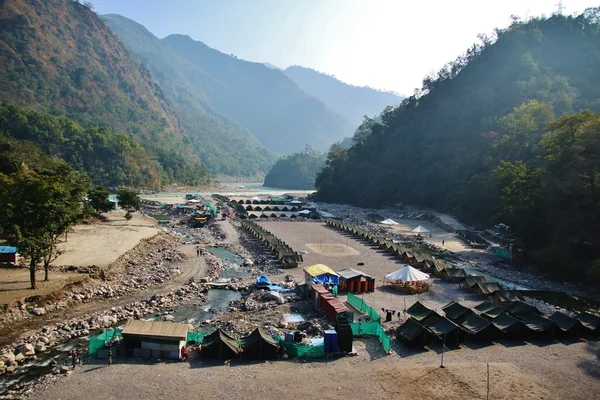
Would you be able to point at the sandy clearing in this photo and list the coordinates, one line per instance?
(377, 263)
(102, 243)
(95, 244)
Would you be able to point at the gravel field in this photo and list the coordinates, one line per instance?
(530, 371)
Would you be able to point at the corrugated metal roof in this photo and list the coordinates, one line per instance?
(7, 249)
(160, 329)
(350, 273)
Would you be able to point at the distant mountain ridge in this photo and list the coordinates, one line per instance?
(352, 102)
(282, 116)
(224, 145)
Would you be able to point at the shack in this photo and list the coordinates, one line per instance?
(355, 281)
(154, 339)
(320, 273)
(8, 254)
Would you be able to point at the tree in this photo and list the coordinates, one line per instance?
(129, 200)
(98, 199)
(37, 208)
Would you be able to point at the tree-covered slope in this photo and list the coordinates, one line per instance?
(58, 57)
(493, 104)
(283, 117)
(223, 144)
(296, 171)
(352, 102)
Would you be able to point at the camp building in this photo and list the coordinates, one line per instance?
(154, 339)
(355, 281)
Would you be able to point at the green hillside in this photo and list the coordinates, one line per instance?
(224, 145)
(58, 57)
(440, 148)
(296, 171)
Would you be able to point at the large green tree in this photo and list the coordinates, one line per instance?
(98, 199)
(129, 200)
(36, 208)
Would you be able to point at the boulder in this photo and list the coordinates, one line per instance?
(19, 357)
(38, 311)
(168, 318)
(8, 358)
(27, 349)
(64, 369)
(40, 347)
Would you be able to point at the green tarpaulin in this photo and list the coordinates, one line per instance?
(419, 311)
(489, 309)
(410, 331)
(454, 310)
(536, 322)
(519, 308)
(564, 322)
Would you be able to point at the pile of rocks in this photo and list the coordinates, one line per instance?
(16, 354)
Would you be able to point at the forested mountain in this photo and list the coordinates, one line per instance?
(283, 117)
(109, 159)
(223, 144)
(486, 120)
(296, 171)
(57, 56)
(352, 102)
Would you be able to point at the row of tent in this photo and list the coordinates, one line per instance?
(284, 253)
(256, 346)
(407, 254)
(436, 267)
(489, 321)
(271, 208)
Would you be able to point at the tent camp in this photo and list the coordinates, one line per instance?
(486, 288)
(489, 309)
(408, 279)
(590, 323)
(320, 273)
(389, 222)
(354, 281)
(422, 313)
(566, 324)
(411, 332)
(456, 312)
(518, 308)
(506, 296)
(448, 331)
(259, 346)
(219, 345)
(513, 328)
(479, 328)
(453, 274)
(537, 323)
(421, 229)
(471, 280)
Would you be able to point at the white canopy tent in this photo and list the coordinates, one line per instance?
(389, 222)
(255, 198)
(407, 274)
(421, 229)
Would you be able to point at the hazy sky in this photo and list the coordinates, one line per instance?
(386, 44)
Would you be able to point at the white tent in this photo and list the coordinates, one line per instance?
(389, 222)
(304, 212)
(255, 198)
(407, 274)
(421, 229)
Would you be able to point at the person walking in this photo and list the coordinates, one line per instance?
(109, 356)
(73, 358)
(78, 356)
(197, 251)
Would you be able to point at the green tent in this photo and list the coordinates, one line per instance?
(590, 323)
(219, 345)
(537, 323)
(510, 326)
(411, 332)
(422, 314)
(455, 311)
(480, 328)
(489, 309)
(565, 323)
(259, 346)
(519, 308)
(446, 330)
